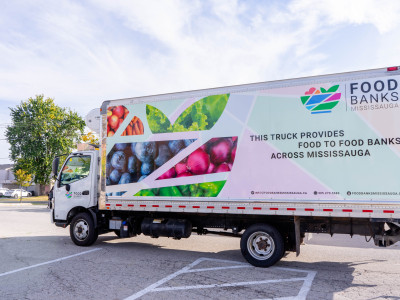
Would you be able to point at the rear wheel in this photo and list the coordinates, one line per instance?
(262, 245)
(82, 230)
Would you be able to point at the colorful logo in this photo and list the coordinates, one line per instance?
(321, 101)
(69, 195)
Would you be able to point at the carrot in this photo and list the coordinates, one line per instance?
(136, 129)
(140, 126)
(124, 133)
(134, 120)
(129, 130)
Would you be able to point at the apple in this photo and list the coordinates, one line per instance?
(113, 122)
(119, 111)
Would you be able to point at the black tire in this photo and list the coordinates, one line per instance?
(82, 230)
(262, 245)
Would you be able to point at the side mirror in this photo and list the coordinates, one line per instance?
(54, 167)
(67, 187)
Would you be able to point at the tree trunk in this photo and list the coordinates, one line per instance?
(42, 188)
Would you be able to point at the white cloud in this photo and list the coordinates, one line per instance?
(82, 53)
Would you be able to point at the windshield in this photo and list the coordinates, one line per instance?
(76, 168)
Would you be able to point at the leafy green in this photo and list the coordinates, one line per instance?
(157, 120)
(201, 115)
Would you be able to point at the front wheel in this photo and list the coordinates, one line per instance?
(82, 230)
(262, 245)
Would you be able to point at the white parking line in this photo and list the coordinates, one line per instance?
(305, 288)
(49, 262)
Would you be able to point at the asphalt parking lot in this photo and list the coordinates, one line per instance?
(39, 261)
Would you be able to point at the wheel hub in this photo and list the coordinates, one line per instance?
(261, 245)
(81, 230)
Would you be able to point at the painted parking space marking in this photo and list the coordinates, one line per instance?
(49, 262)
(157, 287)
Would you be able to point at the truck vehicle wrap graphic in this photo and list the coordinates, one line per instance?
(322, 153)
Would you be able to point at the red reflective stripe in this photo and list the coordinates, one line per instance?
(131, 205)
(273, 208)
(257, 208)
(182, 206)
(108, 204)
(392, 69)
(225, 207)
(347, 210)
(309, 209)
(168, 205)
(367, 210)
(291, 208)
(155, 205)
(241, 207)
(388, 211)
(118, 204)
(142, 205)
(210, 207)
(327, 209)
(195, 206)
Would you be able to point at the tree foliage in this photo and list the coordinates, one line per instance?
(91, 138)
(39, 131)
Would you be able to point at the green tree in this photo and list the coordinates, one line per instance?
(23, 179)
(39, 131)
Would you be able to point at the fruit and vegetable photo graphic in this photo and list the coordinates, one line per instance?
(215, 156)
(116, 116)
(132, 162)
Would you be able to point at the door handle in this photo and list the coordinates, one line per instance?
(85, 193)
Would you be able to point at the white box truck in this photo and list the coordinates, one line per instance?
(267, 162)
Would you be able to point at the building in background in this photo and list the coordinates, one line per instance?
(7, 180)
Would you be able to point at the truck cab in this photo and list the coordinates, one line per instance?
(76, 184)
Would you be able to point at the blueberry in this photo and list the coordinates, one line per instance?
(118, 160)
(142, 177)
(133, 145)
(188, 142)
(146, 151)
(132, 164)
(175, 146)
(120, 146)
(164, 154)
(147, 168)
(125, 178)
(115, 176)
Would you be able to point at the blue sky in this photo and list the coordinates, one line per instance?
(83, 52)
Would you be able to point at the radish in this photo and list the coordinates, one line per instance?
(198, 162)
(233, 154)
(186, 174)
(169, 174)
(180, 168)
(211, 168)
(220, 151)
(222, 168)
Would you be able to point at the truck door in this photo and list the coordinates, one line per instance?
(74, 187)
